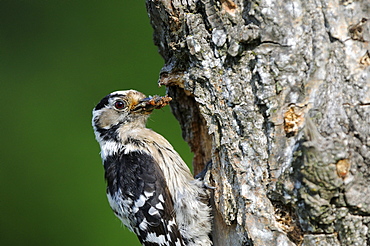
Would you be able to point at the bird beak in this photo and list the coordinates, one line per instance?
(147, 105)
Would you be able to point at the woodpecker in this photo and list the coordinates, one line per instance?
(149, 187)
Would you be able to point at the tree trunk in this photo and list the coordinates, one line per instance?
(277, 95)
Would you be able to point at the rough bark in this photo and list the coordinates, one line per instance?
(277, 95)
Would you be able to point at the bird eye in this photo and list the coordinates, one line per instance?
(119, 104)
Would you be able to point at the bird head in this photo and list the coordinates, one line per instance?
(125, 107)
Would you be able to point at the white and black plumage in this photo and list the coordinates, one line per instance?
(149, 187)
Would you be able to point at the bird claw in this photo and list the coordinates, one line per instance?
(206, 185)
(204, 176)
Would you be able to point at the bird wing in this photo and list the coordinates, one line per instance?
(139, 178)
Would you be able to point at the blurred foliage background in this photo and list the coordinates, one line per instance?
(57, 60)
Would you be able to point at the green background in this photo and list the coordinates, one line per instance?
(57, 60)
